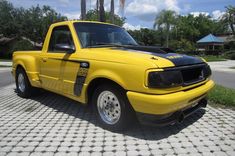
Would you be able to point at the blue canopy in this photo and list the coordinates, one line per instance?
(210, 39)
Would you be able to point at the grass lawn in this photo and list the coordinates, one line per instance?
(4, 66)
(5, 60)
(211, 58)
(222, 96)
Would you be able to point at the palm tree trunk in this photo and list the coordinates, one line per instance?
(167, 39)
(83, 9)
(167, 34)
(97, 8)
(97, 5)
(122, 5)
(112, 11)
(101, 11)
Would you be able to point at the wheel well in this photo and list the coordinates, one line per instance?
(95, 83)
(19, 66)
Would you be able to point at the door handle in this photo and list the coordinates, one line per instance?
(44, 59)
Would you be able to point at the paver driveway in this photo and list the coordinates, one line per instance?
(53, 125)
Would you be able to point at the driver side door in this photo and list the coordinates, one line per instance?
(52, 66)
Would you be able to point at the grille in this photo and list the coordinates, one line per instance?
(194, 73)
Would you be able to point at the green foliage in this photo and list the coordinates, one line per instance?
(230, 54)
(212, 58)
(182, 45)
(145, 36)
(31, 23)
(10, 25)
(164, 21)
(22, 45)
(228, 18)
(222, 95)
(37, 20)
(92, 15)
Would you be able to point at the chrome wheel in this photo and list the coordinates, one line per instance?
(21, 82)
(109, 107)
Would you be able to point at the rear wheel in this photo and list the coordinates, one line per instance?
(23, 86)
(112, 108)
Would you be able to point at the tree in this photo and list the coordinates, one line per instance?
(83, 9)
(10, 20)
(165, 20)
(92, 15)
(122, 4)
(37, 21)
(31, 23)
(146, 36)
(112, 11)
(229, 18)
(101, 11)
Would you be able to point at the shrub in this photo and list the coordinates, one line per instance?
(230, 54)
(7, 50)
(22, 45)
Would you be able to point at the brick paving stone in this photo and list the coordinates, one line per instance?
(50, 124)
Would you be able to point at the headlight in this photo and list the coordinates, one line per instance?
(207, 71)
(164, 79)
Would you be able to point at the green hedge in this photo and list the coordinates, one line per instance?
(18, 45)
(230, 54)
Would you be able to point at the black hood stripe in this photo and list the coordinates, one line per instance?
(176, 59)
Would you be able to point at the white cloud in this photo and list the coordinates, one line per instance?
(64, 3)
(186, 7)
(147, 10)
(217, 14)
(172, 5)
(131, 27)
(197, 13)
(73, 15)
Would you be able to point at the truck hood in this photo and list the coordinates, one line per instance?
(147, 54)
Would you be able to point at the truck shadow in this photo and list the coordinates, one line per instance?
(67, 106)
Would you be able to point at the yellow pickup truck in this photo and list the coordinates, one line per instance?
(100, 64)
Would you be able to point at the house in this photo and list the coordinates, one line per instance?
(211, 44)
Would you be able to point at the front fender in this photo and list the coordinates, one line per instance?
(108, 74)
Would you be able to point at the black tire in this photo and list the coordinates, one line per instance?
(28, 91)
(127, 113)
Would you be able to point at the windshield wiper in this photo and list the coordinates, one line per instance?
(103, 45)
(109, 45)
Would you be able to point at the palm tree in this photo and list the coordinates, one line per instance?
(122, 4)
(229, 18)
(83, 9)
(165, 20)
(112, 11)
(101, 11)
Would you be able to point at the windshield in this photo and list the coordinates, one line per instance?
(100, 35)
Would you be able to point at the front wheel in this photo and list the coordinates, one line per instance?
(112, 107)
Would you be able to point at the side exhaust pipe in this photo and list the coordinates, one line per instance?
(181, 117)
(203, 102)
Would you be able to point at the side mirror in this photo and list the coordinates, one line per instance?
(65, 47)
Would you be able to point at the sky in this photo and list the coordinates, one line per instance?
(138, 13)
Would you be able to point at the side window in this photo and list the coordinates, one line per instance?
(61, 35)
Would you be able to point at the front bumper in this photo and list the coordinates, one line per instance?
(168, 103)
(172, 118)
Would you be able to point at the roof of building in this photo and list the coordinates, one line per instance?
(210, 39)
